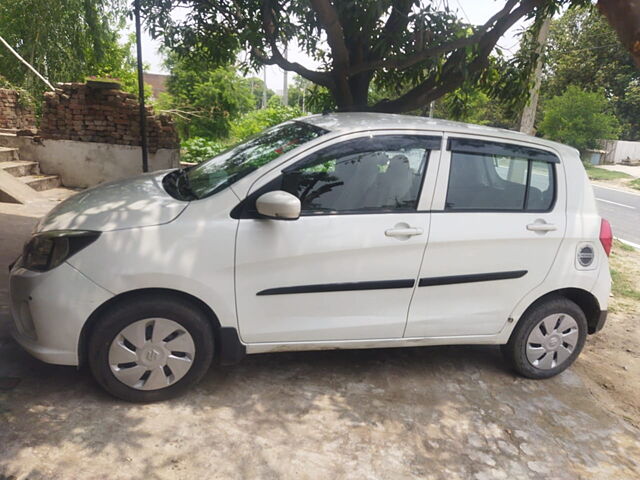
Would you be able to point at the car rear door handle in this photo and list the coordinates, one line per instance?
(541, 226)
(403, 232)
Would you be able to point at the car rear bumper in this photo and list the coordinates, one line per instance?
(49, 310)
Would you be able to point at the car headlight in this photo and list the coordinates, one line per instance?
(47, 250)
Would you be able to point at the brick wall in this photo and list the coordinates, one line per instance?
(15, 114)
(81, 112)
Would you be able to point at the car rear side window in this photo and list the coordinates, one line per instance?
(487, 176)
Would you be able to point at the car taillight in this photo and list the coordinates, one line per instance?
(606, 236)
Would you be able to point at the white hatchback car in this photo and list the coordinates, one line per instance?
(350, 230)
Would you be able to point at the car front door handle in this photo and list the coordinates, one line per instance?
(403, 232)
(541, 226)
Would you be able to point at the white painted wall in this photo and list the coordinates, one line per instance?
(619, 150)
(85, 164)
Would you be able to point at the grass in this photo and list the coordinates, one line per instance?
(596, 173)
(624, 282)
(624, 246)
(635, 183)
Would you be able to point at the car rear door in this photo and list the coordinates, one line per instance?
(345, 270)
(497, 221)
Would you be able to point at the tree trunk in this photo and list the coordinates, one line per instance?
(359, 86)
(528, 118)
(624, 17)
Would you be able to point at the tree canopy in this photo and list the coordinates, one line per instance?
(584, 51)
(206, 99)
(413, 43)
(579, 118)
(65, 40)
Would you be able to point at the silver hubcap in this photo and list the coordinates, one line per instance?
(552, 341)
(151, 354)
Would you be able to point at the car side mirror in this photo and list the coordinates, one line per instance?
(279, 205)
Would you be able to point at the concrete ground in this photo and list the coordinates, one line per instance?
(445, 412)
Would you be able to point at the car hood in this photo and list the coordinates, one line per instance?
(134, 202)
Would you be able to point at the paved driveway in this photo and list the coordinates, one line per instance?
(445, 412)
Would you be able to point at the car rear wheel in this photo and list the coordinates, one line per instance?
(548, 338)
(151, 349)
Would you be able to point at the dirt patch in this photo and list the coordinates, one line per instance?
(610, 362)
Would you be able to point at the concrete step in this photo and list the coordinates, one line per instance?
(9, 154)
(20, 168)
(41, 182)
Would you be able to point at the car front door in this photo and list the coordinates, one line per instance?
(344, 270)
(497, 221)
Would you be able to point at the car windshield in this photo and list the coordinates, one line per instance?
(230, 166)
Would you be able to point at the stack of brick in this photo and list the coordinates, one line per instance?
(77, 111)
(14, 113)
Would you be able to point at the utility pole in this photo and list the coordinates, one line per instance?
(528, 117)
(143, 110)
(264, 88)
(285, 86)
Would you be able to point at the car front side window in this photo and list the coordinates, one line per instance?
(370, 174)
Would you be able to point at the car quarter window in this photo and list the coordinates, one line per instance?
(368, 174)
(488, 176)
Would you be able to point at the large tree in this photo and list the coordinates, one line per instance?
(65, 40)
(414, 43)
(584, 51)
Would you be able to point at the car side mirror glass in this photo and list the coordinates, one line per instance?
(279, 205)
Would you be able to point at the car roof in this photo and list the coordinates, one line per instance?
(363, 121)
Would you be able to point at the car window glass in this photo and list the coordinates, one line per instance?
(230, 166)
(381, 173)
(540, 194)
(485, 181)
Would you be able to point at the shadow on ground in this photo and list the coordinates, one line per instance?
(439, 412)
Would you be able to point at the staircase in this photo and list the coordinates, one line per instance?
(24, 179)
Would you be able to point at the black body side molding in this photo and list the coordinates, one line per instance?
(474, 277)
(339, 287)
(389, 284)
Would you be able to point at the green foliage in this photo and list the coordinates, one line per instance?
(579, 118)
(584, 51)
(472, 105)
(635, 183)
(206, 100)
(414, 51)
(198, 149)
(65, 40)
(256, 121)
(256, 86)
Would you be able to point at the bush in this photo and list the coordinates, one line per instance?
(198, 149)
(256, 121)
(579, 118)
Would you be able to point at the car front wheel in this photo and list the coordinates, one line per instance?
(548, 338)
(150, 349)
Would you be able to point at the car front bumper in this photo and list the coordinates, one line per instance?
(49, 310)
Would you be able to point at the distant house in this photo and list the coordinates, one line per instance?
(158, 82)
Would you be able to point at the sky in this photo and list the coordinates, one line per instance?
(474, 11)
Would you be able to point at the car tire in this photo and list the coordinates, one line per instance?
(163, 335)
(548, 338)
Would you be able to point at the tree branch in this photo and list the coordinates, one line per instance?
(335, 35)
(401, 63)
(330, 22)
(276, 58)
(452, 77)
(397, 21)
